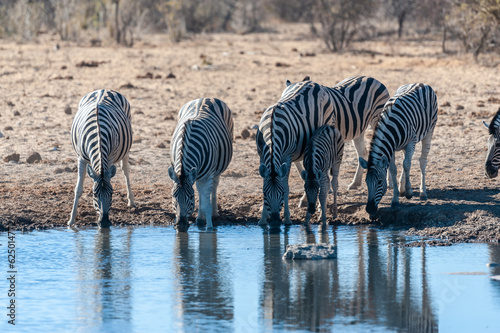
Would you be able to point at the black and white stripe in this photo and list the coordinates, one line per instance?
(322, 159)
(358, 102)
(284, 130)
(201, 150)
(101, 136)
(408, 118)
(493, 157)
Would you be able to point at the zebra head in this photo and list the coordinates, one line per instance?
(376, 182)
(274, 191)
(493, 156)
(102, 193)
(312, 184)
(183, 197)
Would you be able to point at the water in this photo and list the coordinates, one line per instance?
(150, 279)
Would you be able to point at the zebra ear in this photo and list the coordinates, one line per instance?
(264, 173)
(91, 172)
(288, 82)
(283, 170)
(486, 124)
(172, 174)
(111, 172)
(363, 163)
(192, 175)
(303, 174)
(384, 163)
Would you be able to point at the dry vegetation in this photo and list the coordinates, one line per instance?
(43, 80)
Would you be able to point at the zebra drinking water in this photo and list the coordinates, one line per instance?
(101, 136)
(201, 150)
(493, 156)
(322, 158)
(284, 131)
(408, 118)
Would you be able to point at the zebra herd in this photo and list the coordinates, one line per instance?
(309, 123)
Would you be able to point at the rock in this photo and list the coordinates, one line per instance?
(9, 103)
(127, 86)
(460, 107)
(253, 136)
(161, 145)
(34, 157)
(310, 252)
(492, 264)
(16, 114)
(282, 64)
(1, 135)
(169, 117)
(170, 76)
(8, 128)
(245, 134)
(495, 277)
(12, 158)
(445, 104)
(67, 109)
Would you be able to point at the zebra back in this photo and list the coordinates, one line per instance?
(409, 115)
(101, 132)
(286, 127)
(358, 101)
(203, 138)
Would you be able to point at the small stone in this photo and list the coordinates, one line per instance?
(161, 145)
(460, 107)
(58, 171)
(34, 157)
(8, 128)
(253, 136)
(170, 76)
(9, 103)
(12, 158)
(137, 140)
(445, 104)
(169, 117)
(67, 109)
(492, 264)
(245, 134)
(16, 114)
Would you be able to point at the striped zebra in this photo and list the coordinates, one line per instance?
(493, 156)
(201, 150)
(284, 130)
(358, 102)
(322, 159)
(101, 136)
(408, 118)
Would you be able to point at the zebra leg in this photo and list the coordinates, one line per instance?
(323, 195)
(394, 174)
(405, 185)
(335, 186)
(286, 193)
(126, 172)
(303, 200)
(359, 144)
(205, 208)
(264, 216)
(213, 197)
(78, 189)
(426, 147)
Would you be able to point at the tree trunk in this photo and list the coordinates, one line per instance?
(401, 20)
(443, 42)
(117, 22)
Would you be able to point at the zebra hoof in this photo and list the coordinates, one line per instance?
(201, 222)
(395, 205)
(423, 196)
(409, 194)
(402, 194)
(352, 186)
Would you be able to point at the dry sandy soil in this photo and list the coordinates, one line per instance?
(40, 85)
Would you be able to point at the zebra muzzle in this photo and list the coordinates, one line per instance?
(371, 208)
(181, 224)
(491, 171)
(104, 221)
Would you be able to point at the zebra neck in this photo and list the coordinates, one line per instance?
(383, 144)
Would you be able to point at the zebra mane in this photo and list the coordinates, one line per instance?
(184, 135)
(377, 146)
(99, 138)
(495, 123)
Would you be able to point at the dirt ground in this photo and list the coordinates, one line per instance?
(41, 85)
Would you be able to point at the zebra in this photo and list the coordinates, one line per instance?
(101, 135)
(358, 102)
(284, 130)
(493, 156)
(201, 150)
(408, 118)
(322, 157)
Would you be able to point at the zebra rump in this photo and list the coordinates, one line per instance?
(201, 149)
(493, 156)
(409, 117)
(284, 130)
(322, 159)
(101, 135)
